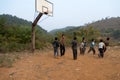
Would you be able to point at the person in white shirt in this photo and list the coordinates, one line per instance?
(101, 47)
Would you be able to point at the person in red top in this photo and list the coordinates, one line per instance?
(62, 45)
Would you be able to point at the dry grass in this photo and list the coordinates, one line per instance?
(43, 66)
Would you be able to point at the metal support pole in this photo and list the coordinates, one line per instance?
(33, 31)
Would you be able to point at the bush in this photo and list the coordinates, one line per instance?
(6, 61)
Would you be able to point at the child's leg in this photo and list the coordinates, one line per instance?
(63, 49)
(101, 52)
(84, 50)
(80, 50)
(99, 55)
(54, 52)
(89, 50)
(75, 53)
(93, 51)
(57, 53)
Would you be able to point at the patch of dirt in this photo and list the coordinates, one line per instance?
(43, 66)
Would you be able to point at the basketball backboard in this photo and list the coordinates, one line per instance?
(44, 7)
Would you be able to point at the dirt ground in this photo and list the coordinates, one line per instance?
(43, 66)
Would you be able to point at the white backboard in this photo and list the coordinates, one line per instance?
(44, 6)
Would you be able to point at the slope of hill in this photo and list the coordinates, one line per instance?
(15, 34)
(106, 27)
(15, 21)
(107, 23)
(61, 30)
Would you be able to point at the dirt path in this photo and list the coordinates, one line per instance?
(43, 66)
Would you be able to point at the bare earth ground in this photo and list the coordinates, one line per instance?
(43, 66)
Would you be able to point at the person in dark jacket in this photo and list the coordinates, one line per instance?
(74, 48)
(55, 46)
(106, 43)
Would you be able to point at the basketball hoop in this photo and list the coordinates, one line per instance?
(44, 6)
(46, 13)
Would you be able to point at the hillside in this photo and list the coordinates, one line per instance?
(15, 34)
(15, 21)
(61, 30)
(108, 27)
(107, 23)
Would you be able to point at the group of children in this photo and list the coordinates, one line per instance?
(102, 46)
(56, 44)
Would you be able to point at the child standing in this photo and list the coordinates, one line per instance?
(74, 48)
(55, 46)
(106, 43)
(92, 44)
(101, 47)
(83, 46)
(62, 45)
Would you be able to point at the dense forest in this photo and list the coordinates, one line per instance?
(15, 33)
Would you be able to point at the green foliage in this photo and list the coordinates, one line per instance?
(14, 21)
(116, 34)
(17, 36)
(80, 32)
(87, 32)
